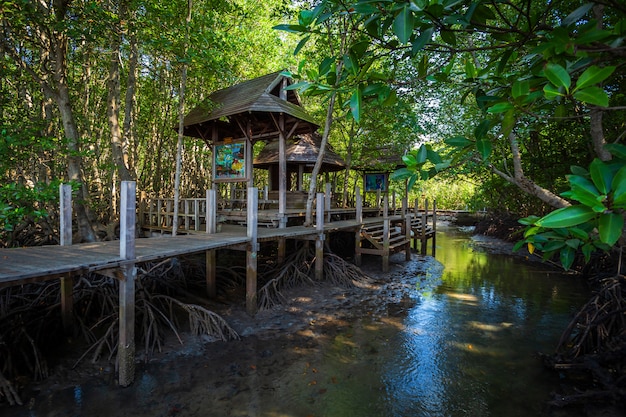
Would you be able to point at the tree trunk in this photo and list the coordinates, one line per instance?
(118, 147)
(74, 160)
(525, 184)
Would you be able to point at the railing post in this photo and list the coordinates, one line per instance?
(385, 233)
(319, 239)
(359, 219)
(434, 242)
(65, 239)
(126, 347)
(251, 251)
(424, 237)
(211, 209)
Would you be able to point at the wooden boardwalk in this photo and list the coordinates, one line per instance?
(33, 264)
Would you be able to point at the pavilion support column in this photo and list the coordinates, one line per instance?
(282, 186)
(126, 347)
(359, 219)
(319, 240)
(251, 252)
(385, 233)
(327, 200)
(67, 281)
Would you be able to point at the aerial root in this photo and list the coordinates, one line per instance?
(594, 344)
(297, 270)
(8, 391)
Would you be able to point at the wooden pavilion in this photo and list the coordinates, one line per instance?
(301, 153)
(232, 120)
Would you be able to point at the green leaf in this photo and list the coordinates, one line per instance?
(584, 183)
(401, 174)
(579, 233)
(593, 75)
(356, 101)
(520, 88)
(577, 14)
(557, 75)
(573, 243)
(551, 92)
(301, 44)
(610, 227)
(567, 217)
(484, 148)
(403, 24)
(567, 257)
(617, 150)
(448, 37)
(500, 107)
(409, 160)
(420, 41)
(458, 141)
(291, 28)
(618, 185)
(481, 130)
(601, 175)
(595, 96)
(530, 220)
(587, 249)
(422, 154)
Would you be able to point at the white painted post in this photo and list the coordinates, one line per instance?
(65, 239)
(211, 211)
(251, 251)
(126, 347)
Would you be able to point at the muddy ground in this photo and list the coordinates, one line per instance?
(207, 377)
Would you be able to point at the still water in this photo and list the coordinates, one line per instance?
(467, 345)
(447, 337)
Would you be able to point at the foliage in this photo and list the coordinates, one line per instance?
(596, 222)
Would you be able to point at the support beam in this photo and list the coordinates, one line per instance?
(319, 241)
(67, 282)
(424, 236)
(211, 273)
(251, 252)
(126, 347)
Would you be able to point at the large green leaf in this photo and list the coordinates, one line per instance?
(616, 149)
(458, 141)
(567, 257)
(403, 24)
(481, 130)
(618, 187)
(610, 227)
(551, 92)
(601, 175)
(577, 14)
(420, 41)
(558, 76)
(500, 107)
(422, 154)
(291, 28)
(356, 101)
(520, 88)
(593, 95)
(593, 75)
(484, 148)
(567, 217)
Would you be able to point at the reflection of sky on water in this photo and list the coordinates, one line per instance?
(468, 348)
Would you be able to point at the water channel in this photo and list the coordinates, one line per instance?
(452, 336)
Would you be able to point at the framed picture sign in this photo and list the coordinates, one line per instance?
(230, 161)
(376, 181)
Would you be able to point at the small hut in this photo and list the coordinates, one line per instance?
(301, 155)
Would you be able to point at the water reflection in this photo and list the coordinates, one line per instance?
(469, 346)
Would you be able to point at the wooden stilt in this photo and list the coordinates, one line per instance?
(211, 274)
(126, 347)
(251, 252)
(359, 219)
(319, 240)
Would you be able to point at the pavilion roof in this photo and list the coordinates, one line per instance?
(301, 150)
(253, 106)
